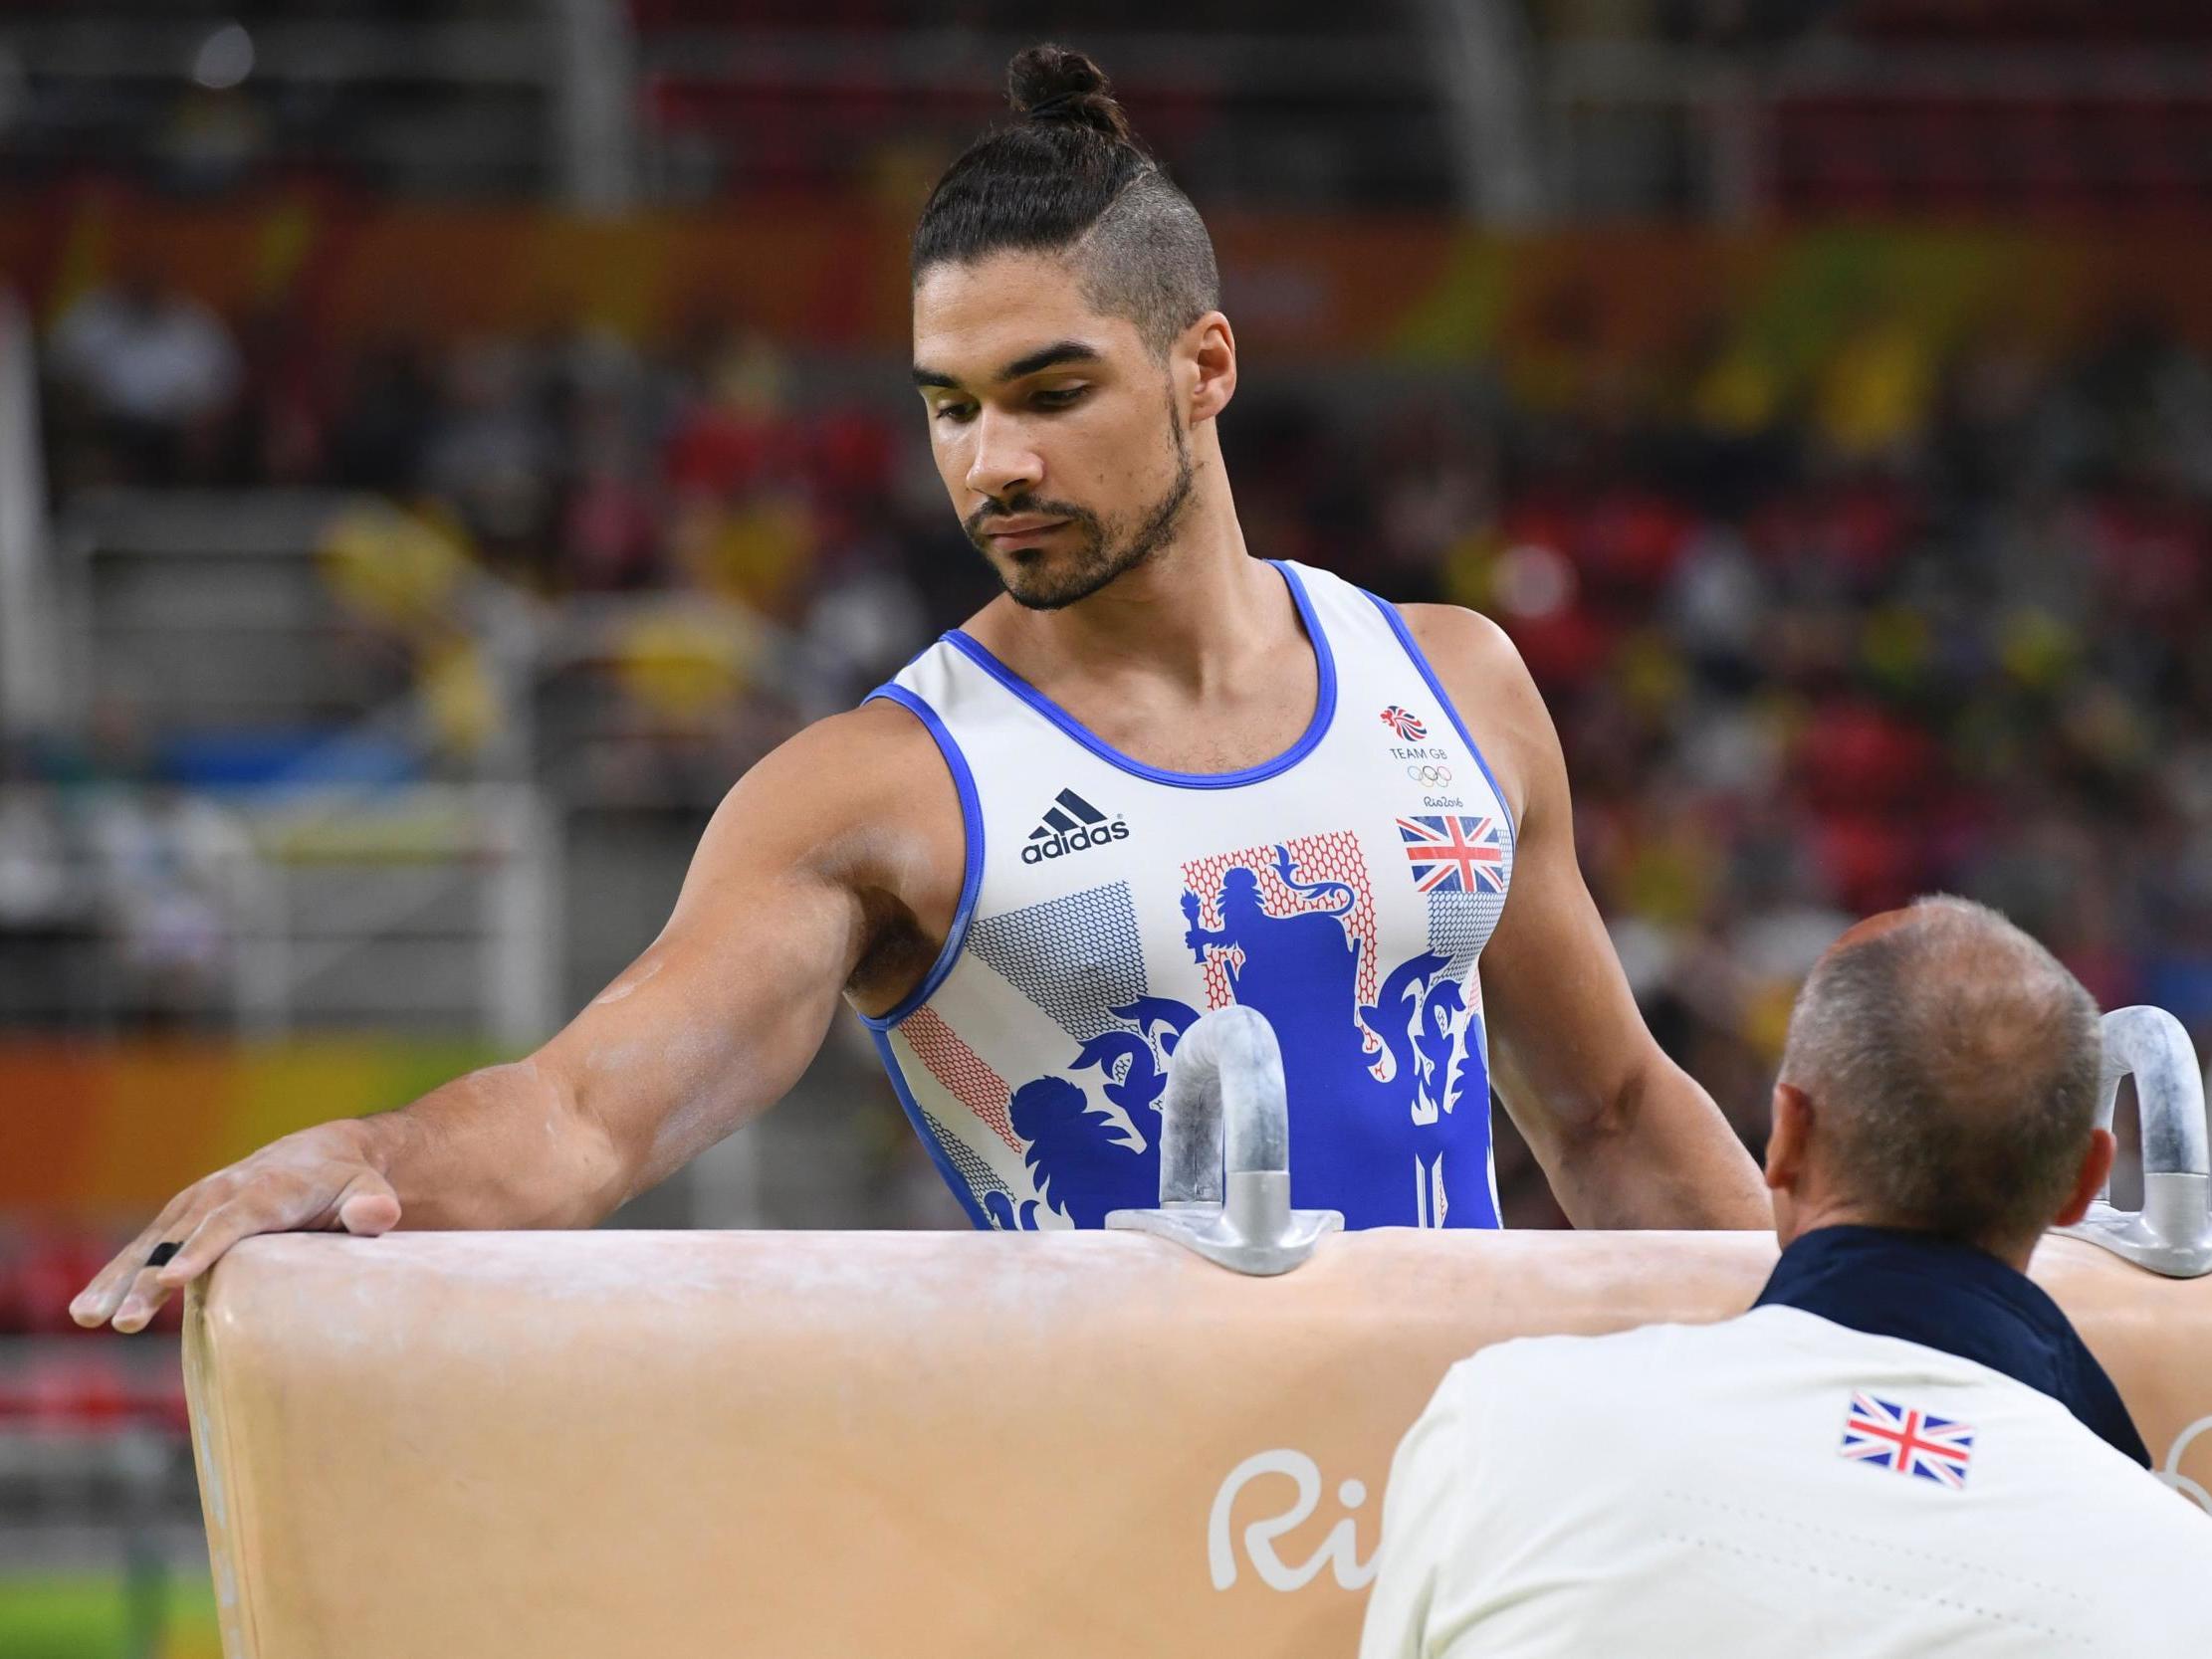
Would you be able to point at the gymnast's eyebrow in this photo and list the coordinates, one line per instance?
(1050, 356)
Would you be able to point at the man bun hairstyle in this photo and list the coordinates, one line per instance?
(1053, 83)
(1069, 177)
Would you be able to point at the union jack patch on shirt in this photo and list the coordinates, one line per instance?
(1908, 1440)
(1454, 855)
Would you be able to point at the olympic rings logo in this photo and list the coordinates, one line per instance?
(1430, 775)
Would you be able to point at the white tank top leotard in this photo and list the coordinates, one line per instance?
(1345, 889)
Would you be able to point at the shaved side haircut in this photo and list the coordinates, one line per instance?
(1069, 178)
(1952, 1063)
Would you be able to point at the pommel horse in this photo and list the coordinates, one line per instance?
(1169, 1436)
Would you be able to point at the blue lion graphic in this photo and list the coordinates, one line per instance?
(1355, 1131)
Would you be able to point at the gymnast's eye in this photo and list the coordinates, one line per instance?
(1059, 397)
(954, 412)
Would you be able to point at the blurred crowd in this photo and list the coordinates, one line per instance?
(1820, 631)
(1902, 619)
(575, 463)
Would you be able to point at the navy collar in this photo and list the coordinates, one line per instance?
(1888, 1282)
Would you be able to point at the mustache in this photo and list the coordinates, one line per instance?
(1025, 507)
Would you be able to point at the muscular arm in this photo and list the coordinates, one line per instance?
(714, 1022)
(788, 893)
(826, 868)
(1625, 1135)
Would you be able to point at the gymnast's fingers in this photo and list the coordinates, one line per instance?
(144, 1295)
(365, 1204)
(313, 1180)
(97, 1300)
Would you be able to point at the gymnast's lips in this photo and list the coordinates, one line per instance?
(1023, 530)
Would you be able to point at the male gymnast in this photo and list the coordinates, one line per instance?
(1155, 777)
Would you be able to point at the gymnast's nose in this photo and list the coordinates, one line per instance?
(1004, 464)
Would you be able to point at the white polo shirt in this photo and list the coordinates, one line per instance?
(1776, 1483)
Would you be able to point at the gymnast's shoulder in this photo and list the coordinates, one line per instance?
(865, 792)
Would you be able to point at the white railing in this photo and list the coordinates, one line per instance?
(356, 886)
(428, 905)
(349, 904)
(30, 667)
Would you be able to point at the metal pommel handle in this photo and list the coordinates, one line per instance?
(1224, 1151)
(2172, 1233)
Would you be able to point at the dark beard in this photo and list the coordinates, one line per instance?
(1050, 579)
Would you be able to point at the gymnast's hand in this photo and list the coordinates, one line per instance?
(319, 1179)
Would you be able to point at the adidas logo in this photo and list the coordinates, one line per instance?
(1072, 825)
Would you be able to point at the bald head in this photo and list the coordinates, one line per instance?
(1951, 1065)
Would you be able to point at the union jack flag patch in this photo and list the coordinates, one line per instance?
(1908, 1440)
(1454, 855)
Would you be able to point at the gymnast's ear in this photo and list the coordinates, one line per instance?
(1209, 349)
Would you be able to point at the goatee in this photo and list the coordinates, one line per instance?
(1051, 578)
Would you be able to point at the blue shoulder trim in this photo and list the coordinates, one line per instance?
(1420, 661)
(930, 1143)
(1324, 707)
(972, 875)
